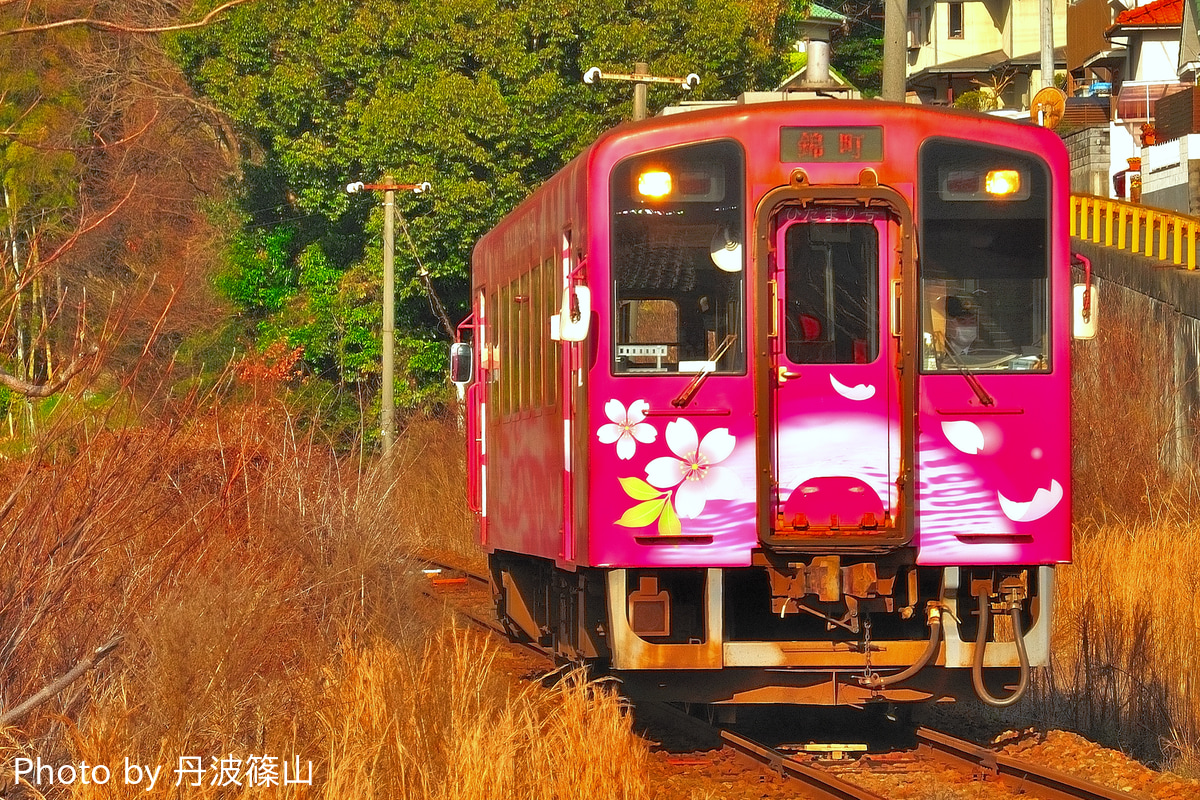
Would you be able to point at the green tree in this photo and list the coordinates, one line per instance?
(858, 48)
(482, 98)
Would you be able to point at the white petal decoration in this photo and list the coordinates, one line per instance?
(664, 472)
(690, 498)
(682, 438)
(626, 447)
(860, 392)
(637, 411)
(717, 445)
(644, 432)
(609, 433)
(964, 435)
(615, 410)
(1043, 502)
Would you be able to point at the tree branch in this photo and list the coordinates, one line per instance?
(17, 712)
(115, 27)
(27, 389)
(33, 269)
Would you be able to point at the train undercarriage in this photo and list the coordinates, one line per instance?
(818, 629)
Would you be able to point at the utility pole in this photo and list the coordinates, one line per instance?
(387, 422)
(387, 403)
(1047, 49)
(895, 30)
(641, 79)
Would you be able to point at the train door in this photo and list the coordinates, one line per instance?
(834, 383)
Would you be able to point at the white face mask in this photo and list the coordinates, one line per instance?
(962, 335)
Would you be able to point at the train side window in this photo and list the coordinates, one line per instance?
(490, 355)
(985, 258)
(550, 295)
(504, 353)
(523, 314)
(677, 260)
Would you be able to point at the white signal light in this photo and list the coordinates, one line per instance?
(654, 183)
(1002, 182)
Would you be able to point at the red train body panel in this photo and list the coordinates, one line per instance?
(752, 378)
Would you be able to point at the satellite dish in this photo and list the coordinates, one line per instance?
(726, 250)
(1048, 106)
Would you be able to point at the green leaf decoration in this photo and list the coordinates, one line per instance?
(668, 523)
(642, 514)
(638, 489)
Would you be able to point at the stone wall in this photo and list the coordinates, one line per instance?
(1141, 376)
(1089, 152)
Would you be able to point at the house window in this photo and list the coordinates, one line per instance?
(954, 30)
(916, 34)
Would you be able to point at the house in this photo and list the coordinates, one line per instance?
(1134, 53)
(979, 45)
(1170, 155)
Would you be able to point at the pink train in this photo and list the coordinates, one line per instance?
(769, 402)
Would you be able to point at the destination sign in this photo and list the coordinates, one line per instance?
(830, 145)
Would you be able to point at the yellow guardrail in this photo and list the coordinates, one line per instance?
(1152, 232)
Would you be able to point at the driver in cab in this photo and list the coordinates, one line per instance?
(969, 336)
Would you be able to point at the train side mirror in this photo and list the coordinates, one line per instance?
(1084, 315)
(462, 364)
(574, 319)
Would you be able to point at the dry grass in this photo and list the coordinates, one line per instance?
(1127, 638)
(1127, 632)
(261, 590)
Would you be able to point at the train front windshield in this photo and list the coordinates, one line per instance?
(984, 258)
(678, 261)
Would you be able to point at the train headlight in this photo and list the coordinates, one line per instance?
(1002, 182)
(654, 183)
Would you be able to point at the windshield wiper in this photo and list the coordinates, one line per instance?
(972, 381)
(689, 392)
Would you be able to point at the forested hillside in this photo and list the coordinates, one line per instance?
(482, 99)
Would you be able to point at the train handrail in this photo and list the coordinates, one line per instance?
(1168, 236)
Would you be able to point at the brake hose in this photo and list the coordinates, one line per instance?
(985, 618)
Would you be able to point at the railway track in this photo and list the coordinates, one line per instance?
(819, 781)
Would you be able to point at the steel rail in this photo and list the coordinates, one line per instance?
(819, 783)
(1040, 781)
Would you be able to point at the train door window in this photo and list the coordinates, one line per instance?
(832, 292)
(678, 260)
(985, 260)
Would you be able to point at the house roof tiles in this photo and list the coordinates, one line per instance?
(1158, 13)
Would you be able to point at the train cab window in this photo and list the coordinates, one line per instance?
(832, 293)
(985, 258)
(678, 261)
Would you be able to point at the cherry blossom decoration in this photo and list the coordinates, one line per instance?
(692, 474)
(695, 471)
(626, 427)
